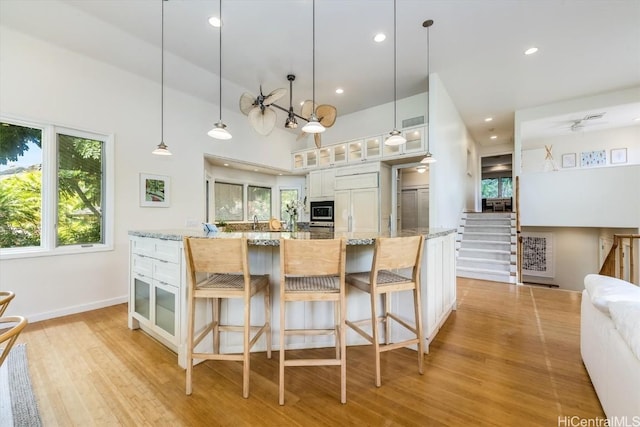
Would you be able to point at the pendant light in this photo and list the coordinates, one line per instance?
(396, 137)
(428, 158)
(314, 125)
(219, 130)
(162, 149)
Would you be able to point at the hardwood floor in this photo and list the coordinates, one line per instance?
(508, 356)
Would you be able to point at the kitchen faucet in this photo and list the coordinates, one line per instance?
(255, 222)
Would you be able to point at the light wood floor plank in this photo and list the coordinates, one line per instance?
(508, 356)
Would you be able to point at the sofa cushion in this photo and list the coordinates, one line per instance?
(605, 289)
(626, 317)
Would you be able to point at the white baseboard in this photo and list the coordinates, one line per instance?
(77, 309)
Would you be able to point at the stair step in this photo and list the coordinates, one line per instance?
(488, 264)
(492, 237)
(484, 274)
(485, 244)
(497, 254)
(501, 229)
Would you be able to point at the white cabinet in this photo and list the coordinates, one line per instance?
(156, 288)
(321, 184)
(363, 150)
(304, 159)
(362, 200)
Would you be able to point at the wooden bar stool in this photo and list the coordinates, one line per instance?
(5, 299)
(391, 253)
(10, 328)
(313, 270)
(218, 269)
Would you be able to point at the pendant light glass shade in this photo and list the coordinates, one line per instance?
(162, 149)
(428, 158)
(313, 125)
(219, 130)
(396, 137)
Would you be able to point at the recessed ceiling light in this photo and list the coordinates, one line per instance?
(488, 119)
(380, 37)
(339, 91)
(226, 164)
(637, 119)
(214, 21)
(494, 137)
(531, 51)
(255, 170)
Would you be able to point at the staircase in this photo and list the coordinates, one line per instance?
(486, 246)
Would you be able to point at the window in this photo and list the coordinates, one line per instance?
(287, 196)
(229, 201)
(259, 202)
(55, 190)
(497, 188)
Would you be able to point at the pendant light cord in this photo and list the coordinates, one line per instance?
(162, 73)
(395, 43)
(220, 61)
(313, 61)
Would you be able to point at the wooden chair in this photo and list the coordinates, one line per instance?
(10, 328)
(313, 270)
(5, 299)
(391, 253)
(218, 269)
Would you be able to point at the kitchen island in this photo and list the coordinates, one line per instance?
(158, 286)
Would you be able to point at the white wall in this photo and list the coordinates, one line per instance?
(41, 82)
(451, 189)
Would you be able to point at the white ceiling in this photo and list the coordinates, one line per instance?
(586, 47)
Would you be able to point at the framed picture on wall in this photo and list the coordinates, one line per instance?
(154, 190)
(618, 155)
(569, 160)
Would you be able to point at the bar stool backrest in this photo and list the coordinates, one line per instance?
(312, 257)
(5, 299)
(398, 252)
(225, 256)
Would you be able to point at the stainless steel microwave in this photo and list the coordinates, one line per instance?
(322, 211)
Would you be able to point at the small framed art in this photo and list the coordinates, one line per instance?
(569, 160)
(618, 155)
(154, 191)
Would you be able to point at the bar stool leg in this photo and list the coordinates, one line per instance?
(281, 355)
(418, 310)
(190, 327)
(376, 337)
(246, 355)
(267, 318)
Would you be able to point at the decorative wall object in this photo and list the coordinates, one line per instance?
(549, 163)
(154, 190)
(618, 155)
(537, 254)
(569, 160)
(593, 158)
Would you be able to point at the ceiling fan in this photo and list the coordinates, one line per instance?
(262, 116)
(579, 124)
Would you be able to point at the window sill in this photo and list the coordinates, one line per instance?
(17, 253)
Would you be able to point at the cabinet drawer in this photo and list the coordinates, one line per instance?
(143, 246)
(142, 265)
(166, 272)
(167, 250)
(367, 180)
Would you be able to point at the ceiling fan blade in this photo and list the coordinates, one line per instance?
(247, 102)
(307, 108)
(274, 96)
(317, 139)
(261, 121)
(326, 114)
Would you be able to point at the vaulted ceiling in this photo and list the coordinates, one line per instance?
(476, 46)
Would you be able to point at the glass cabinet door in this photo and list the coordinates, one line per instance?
(415, 140)
(355, 151)
(142, 296)
(372, 146)
(312, 159)
(340, 154)
(324, 157)
(298, 161)
(165, 309)
(391, 150)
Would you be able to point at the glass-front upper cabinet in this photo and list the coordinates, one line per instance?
(340, 154)
(372, 147)
(391, 150)
(298, 161)
(312, 159)
(415, 140)
(325, 156)
(355, 151)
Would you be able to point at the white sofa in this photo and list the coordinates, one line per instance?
(610, 343)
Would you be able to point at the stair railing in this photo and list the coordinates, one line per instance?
(518, 233)
(615, 257)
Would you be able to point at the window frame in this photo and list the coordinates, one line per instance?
(245, 197)
(49, 188)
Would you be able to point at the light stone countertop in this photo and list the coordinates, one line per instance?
(266, 238)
